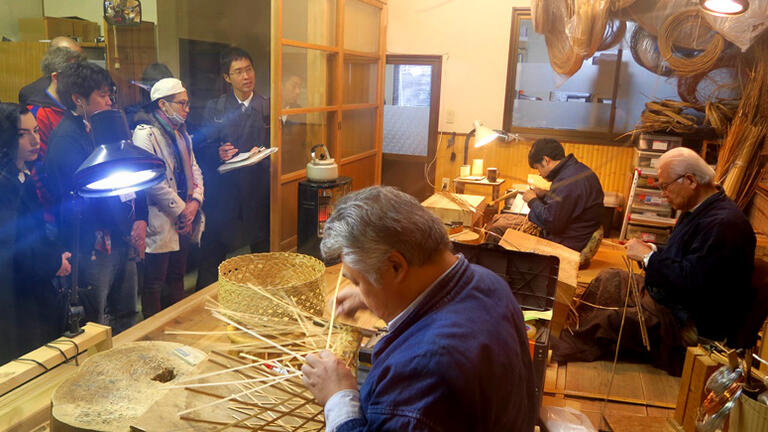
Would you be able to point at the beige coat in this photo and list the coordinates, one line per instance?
(165, 205)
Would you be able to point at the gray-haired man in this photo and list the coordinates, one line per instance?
(455, 356)
(704, 269)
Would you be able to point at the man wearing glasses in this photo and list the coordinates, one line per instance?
(696, 285)
(237, 202)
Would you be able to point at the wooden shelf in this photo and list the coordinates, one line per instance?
(93, 44)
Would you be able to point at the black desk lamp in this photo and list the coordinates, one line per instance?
(115, 167)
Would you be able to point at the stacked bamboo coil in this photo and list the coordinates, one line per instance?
(296, 276)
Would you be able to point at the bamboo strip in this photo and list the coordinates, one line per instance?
(333, 310)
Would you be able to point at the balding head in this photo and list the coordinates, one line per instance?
(65, 42)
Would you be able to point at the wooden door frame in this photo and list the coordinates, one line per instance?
(436, 61)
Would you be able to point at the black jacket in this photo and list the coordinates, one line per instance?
(236, 203)
(68, 148)
(571, 211)
(706, 266)
(10, 193)
(34, 90)
(32, 311)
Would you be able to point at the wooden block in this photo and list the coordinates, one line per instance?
(703, 367)
(685, 381)
(16, 373)
(449, 210)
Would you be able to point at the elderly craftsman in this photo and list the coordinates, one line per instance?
(697, 285)
(455, 357)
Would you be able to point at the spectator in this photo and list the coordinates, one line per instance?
(113, 229)
(39, 86)
(174, 219)
(237, 203)
(33, 311)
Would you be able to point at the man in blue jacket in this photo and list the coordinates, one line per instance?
(569, 213)
(455, 357)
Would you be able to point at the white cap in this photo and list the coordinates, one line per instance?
(166, 87)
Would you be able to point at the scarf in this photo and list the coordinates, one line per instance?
(182, 150)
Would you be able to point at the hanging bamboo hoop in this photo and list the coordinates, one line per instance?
(645, 52)
(702, 62)
(589, 23)
(539, 16)
(621, 4)
(562, 57)
(614, 33)
(279, 274)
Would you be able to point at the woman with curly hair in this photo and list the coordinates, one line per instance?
(32, 311)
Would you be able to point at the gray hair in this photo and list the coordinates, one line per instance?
(58, 57)
(681, 160)
(367, 225)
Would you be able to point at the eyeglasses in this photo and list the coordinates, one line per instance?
(182, 104)
(664, 186)
(242, 72)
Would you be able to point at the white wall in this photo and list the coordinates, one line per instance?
(473, 38)
(12, 10)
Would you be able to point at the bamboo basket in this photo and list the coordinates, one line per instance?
(280, 274)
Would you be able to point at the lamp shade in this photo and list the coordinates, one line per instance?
(116, 166)
(484, 134)
(724, 7)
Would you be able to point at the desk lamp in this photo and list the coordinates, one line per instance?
(115, 167)
(484, 135)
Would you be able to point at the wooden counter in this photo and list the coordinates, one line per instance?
(25, 413)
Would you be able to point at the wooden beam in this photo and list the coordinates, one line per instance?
(15, 373)
(160, 319)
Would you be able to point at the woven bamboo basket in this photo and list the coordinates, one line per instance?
(283, 275)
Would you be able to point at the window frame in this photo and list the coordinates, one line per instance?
(605, 138)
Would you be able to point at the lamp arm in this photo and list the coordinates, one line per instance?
(466, 146)
(76, 311)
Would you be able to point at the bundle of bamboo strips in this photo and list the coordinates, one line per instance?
(666, 115)
(741, 162)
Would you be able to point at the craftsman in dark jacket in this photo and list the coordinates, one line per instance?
(699, 280)
(112, 229)
(570, 212)
(237, 202)
(455, 357)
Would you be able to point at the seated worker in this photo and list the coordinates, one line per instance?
(570, 212)
(455, 357)
(698, 284)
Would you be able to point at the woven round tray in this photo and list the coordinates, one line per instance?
(282, 275)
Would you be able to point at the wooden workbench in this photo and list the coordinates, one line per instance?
(189, 314)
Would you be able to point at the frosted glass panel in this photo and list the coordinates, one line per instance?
(361, 26)
(312, 21)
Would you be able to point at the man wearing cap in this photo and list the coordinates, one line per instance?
(237, 202)
(174, 217)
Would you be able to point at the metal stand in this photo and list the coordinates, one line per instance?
(76, 310)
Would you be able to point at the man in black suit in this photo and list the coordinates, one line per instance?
(237, 202)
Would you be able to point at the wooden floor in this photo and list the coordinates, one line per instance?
(641, 398)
